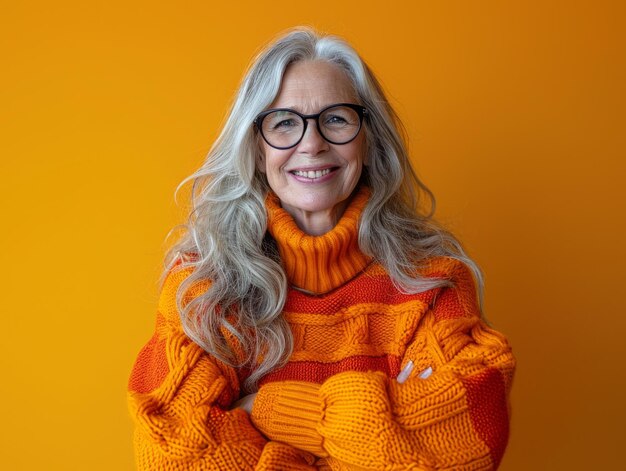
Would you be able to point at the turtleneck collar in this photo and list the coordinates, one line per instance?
(319, 264)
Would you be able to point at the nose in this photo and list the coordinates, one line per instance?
(312, 142)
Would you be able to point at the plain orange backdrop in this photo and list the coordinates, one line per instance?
(516, 117)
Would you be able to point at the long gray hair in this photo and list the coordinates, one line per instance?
(226, 230)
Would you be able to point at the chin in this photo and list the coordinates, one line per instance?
(317, 205)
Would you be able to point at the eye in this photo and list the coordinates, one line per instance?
(335, 120)
(285, 123)
(339, 117)
(281, 121)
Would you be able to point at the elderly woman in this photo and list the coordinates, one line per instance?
(313, 316)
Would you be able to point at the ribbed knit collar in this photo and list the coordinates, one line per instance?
(319, 264)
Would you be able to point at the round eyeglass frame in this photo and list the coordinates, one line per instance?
(360, 110)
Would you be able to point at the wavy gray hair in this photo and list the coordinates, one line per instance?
(226, 230)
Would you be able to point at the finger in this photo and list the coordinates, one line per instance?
(426, 373)
(406, 371)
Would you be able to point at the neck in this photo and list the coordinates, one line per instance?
(319, 263)
(317, 223)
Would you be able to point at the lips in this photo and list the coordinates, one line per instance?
(311, 173)
(318, 174)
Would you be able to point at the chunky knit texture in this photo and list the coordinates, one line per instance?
(336, 404)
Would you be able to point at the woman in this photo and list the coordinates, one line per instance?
(312, 317)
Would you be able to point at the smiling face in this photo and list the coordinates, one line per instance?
(314, 179)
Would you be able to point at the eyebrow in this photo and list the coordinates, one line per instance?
(299, 109)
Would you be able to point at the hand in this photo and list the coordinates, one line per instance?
(245, 403)
(406, 372)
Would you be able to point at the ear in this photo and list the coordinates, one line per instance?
(260, 162)
(366, 157)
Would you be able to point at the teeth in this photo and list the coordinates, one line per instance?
(312, 173)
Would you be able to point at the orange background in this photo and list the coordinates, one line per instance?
(516, 115)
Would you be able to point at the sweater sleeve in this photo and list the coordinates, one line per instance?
(179, 398)
(451, 413)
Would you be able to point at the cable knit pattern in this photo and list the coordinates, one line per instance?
(336, 404)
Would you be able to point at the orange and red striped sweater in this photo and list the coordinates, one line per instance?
(336, 404)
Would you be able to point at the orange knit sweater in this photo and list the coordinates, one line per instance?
(336, 404)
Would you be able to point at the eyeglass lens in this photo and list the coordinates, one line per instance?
(338, 125)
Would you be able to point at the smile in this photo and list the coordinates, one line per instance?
(311, 174)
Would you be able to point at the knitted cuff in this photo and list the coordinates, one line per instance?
(289, 412)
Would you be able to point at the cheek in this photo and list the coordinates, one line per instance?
(274, 160)
(356, 154)
(270, 160)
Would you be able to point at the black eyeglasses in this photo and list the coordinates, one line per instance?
(284, 128)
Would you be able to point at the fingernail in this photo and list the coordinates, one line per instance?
(426, 373)
(406, 371)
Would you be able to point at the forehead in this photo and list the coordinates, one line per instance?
(308, 86)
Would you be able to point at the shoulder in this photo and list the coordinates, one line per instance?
(178, 288)
(447, 268)
(459, 297)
